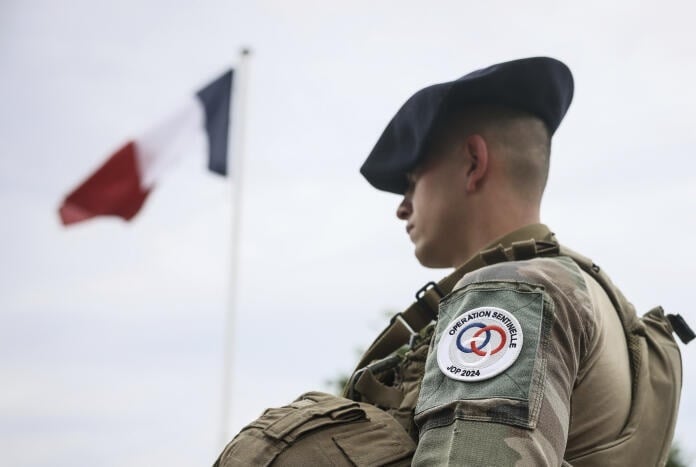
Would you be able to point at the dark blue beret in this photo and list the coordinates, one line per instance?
(541, 86)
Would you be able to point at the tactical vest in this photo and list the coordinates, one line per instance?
(320, 429)
(373, 423)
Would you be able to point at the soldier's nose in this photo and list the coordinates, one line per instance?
(403, 211)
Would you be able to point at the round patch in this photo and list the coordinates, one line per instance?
(479, 344)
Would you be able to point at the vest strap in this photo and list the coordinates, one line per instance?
(424, 310)
(494, 255)
(524, 250)
(377, 392)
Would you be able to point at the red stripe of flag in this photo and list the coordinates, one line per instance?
(114, 189)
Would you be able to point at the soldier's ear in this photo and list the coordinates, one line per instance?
(476, 152)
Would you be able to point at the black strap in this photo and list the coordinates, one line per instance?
(681, 328)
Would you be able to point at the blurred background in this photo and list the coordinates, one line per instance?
(111, 333)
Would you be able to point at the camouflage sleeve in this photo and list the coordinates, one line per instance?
(501, 368)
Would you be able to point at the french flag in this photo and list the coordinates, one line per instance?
(121, 185)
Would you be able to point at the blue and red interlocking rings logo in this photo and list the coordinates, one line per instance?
(479, 344)
(476, 348)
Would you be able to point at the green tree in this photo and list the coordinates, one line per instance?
(676, 458)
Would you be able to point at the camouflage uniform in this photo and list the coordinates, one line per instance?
(567, 394)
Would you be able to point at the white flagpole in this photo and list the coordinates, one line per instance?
(236, 156)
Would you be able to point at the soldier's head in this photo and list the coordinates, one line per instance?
(471, 157)
(483, 175)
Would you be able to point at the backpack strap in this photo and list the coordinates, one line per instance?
(404, 326)
(629, 320)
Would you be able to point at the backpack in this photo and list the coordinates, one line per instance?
(656, 370)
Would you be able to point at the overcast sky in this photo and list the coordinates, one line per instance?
(111, 332)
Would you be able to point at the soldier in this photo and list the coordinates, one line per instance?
(529, 360)
(527, 354)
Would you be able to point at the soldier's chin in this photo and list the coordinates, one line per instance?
(430, 258)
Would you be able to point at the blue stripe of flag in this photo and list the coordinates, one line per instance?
(216, 100)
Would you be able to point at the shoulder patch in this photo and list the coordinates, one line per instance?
(488, 357)
(479, 344)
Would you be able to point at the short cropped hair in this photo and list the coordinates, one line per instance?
(521, 139)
